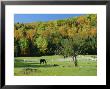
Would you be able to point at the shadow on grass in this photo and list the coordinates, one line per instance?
(34, 65)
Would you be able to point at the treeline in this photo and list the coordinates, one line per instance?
(48, 38)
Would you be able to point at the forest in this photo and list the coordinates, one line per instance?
(75, 35)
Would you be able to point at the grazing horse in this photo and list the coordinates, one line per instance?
(42, 61)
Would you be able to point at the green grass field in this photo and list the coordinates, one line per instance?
(87, 66)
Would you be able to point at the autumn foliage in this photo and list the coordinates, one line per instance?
(48, 38)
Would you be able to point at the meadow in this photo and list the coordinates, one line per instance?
(56, 65)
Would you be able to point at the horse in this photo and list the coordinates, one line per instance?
(43, 61)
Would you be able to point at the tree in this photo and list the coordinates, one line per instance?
(71, 47)
(16, 47)
(24, 45)
(41, 43)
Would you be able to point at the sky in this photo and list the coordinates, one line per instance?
(27, 18)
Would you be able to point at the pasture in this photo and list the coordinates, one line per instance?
(56, 66)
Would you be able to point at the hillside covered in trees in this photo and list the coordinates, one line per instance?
(76, 34)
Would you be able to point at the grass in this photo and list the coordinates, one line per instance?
(65, 67)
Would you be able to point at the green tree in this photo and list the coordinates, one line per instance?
(72, 47)
(24, 45)
(41, 43)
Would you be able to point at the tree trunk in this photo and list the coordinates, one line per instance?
(75, 61)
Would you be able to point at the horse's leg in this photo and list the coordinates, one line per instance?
(45, 62)
(40, 62)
